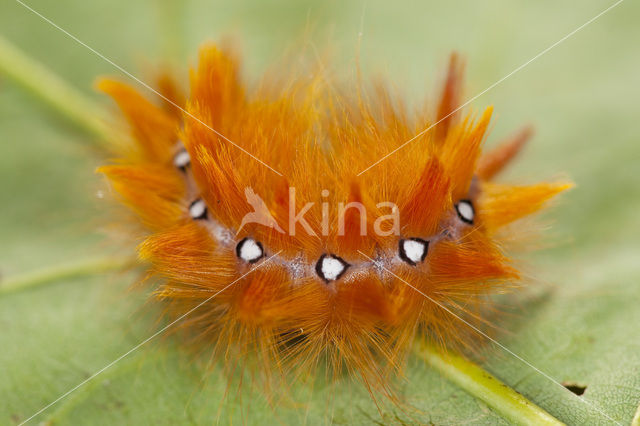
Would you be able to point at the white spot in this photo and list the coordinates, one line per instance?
(198, 210)
(249, 250)
(330, 267)
(465, 211)
(181, 160)
(413, 250)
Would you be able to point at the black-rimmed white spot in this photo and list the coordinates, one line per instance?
(182, 159)
(413, 250)
(198, 210)
(465, 211)
(249, 250)
(331, 267)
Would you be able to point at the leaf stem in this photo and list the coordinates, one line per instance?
(53, 91)
(85, 267)
(636, 418)
(482, 385)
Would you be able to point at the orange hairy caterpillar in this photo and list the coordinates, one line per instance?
(257, 198)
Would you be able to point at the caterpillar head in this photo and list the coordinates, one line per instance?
(304, 223)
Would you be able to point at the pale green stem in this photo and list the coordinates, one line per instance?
(636, 418)
(479, 383)
(83, 268)
(53, 91)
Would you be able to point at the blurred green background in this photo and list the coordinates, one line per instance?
(579, 324)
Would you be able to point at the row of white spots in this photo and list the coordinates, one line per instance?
(329, 267)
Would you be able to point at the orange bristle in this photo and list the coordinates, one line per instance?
(496, 160)
(450, 99)
(154, 130)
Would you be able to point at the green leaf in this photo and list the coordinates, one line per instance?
(578, 322)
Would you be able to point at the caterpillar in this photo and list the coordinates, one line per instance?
(298, 228)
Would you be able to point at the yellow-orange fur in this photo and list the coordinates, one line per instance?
(317, 139)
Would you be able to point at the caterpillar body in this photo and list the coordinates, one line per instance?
(267, 199)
